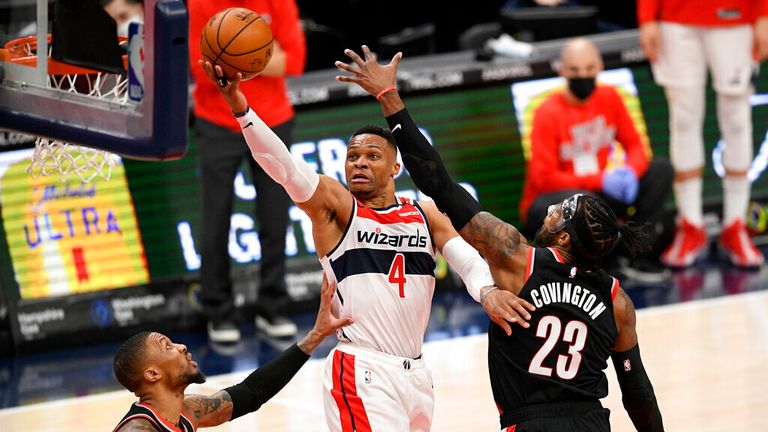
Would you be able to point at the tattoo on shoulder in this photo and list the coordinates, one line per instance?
(492, 237)
(209, 410)
(138, 425)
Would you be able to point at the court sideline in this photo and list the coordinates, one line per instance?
(706, 360)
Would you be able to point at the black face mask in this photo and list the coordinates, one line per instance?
(582, 88)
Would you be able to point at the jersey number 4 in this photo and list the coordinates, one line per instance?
(575, 335)
(397, 273)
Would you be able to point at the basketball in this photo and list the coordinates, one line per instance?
(238, 40)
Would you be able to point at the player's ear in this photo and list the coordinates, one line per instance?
(563, 238)
(152, 374)
(395, 168)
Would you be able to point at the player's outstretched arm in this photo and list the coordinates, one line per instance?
(637, 392)
(500, 243)
(266, 381)
(297, 177)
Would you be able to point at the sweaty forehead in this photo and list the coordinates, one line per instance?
(157, 339)
(369, 141)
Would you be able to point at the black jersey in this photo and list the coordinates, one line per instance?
(140, 410)
(562, 356)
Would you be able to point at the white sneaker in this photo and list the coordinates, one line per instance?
(223, 332)
(278, 327)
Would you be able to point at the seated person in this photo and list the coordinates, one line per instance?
(573, 133)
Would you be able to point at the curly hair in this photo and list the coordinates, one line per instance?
(596, 231)
(127, 363)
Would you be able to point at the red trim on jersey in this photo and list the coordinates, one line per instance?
(512, 428)
(135, 416)
(183, 414)
(406, 214)
(529, 264)
(557, 255)
(162, 420)
(351, 409)
(614, 288)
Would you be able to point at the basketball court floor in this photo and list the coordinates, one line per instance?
(703, 337)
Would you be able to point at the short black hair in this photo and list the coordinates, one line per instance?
(376, 130)
(595, 231)
(128, 361)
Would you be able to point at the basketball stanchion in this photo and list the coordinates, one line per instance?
(68, 159)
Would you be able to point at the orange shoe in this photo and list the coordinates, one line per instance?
(736, 243)
(690, 242)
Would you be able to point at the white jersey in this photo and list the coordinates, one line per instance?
(384, 273)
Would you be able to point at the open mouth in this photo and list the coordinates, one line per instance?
(359, 178)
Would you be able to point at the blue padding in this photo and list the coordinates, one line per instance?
(170, 103)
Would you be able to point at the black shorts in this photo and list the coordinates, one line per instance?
(570, 417)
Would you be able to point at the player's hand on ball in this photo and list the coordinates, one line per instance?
(229, 89)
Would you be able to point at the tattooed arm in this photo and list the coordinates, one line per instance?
(209, 410)
(263, 383)
(502, 245)
(138, 425)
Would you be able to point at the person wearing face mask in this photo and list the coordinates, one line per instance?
(124, 12)
(574, 133)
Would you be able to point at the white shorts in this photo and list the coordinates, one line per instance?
(367, 390)
(686, 51)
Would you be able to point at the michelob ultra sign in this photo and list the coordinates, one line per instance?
(69, 237)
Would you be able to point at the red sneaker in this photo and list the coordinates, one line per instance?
(736, 243)
(689, 243)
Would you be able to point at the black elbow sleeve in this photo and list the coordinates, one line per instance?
(429, 173)
(266, 381)
(637, 392)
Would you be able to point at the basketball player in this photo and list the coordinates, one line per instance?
(548, 377)
(158, 371)
(380, 250)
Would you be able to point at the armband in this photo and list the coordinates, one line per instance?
(266, 381)
(429, 173)
(298, 178)
(469, 265)
(637, 392)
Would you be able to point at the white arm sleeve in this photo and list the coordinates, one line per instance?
(293, 173)
(468, 263)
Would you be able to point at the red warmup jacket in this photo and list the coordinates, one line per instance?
(563, 131)
(701, 12)
(267, 96)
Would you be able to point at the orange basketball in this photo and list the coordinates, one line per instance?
(238, 40)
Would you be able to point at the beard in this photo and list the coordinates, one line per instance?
(543, 238)
(196, 377)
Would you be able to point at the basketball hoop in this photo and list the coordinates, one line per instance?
(52, 156)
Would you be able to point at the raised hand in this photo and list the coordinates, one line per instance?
(326, 323)
(229, 89)
(367, 72)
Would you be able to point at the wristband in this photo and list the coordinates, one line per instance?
(241, 114)
(485, 294)
(385, 91)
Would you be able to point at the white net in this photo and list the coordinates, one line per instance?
(67, 159)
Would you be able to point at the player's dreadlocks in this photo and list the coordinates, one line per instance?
(595, 231)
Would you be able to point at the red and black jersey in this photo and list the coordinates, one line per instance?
(561, 358)
(143, 411)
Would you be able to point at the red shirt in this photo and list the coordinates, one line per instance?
(564, 132)
(701, 12)
(267, 96)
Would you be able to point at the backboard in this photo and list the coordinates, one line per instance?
(81, 37)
